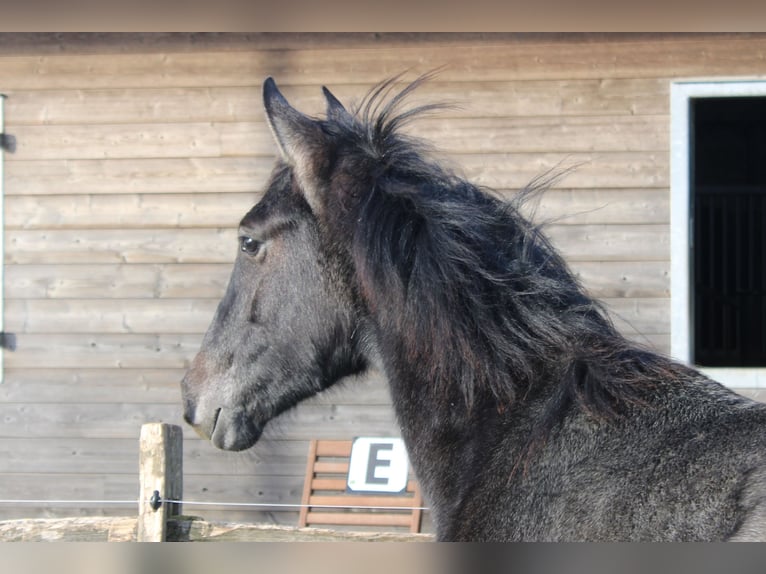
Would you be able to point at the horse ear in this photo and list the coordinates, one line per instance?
(335, 110)
(297, 135)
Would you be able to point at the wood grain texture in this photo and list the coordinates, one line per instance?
(247, 139)
(668, 57)
(119, 281)
(137, 155)
(509, 97)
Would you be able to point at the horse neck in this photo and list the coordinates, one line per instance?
(447, 439)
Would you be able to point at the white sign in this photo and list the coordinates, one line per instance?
(378, 465)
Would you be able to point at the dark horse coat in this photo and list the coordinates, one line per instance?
(527, 416)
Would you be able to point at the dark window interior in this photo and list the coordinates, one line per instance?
(729, 231)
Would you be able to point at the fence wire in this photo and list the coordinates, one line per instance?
(282, 505)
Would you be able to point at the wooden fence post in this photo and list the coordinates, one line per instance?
(161, 478)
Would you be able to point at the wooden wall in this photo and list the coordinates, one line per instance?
(137, 155)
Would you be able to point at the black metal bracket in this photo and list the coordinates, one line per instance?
(7, 341)
(8, 142)
(155, 501)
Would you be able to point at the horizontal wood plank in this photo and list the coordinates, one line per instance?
(599, 206)
(327, 467)
(140, 141)
(505, 98)
(128, 211)
(201, 281)
(99, 351)
(609, 170)
(628, 279)
(197, 530)
(358, 518)
(119, 456)
(143, 385)
(510, 170)
(224, 210)
(669, 57)
(612, 242)
(578, 243)
(170, 316)
(354, 500)
(57, 246)
(83, 529)
(106, 281)
(119, 176)
(238, 139)
(109, 315)
(78, 385)
(125, 420)
(337, 448)
(332, 484)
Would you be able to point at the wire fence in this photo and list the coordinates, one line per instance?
(42, 503)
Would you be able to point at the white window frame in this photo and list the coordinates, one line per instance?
(681, 94)
(2, 234)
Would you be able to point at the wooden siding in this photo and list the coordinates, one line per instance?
(136, 157)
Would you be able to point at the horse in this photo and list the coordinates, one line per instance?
(527, 416)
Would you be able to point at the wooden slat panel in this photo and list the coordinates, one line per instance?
(609, 170)
(248, 175)
(612, 242)
(121, 246)
(234, 139)
(55, 454)
(158, 211)
(80, 385)
(110, 176)
(670, 57)
(109, 315)
(77, 351)
(357, 519)
(144, 385)
(68, 486)
(135, 141)
(327, 467)
(343, 501)
(123, 420)
(329, 484)
(543, 134)
(85, 106)
(605, 206)
(87, 281)
(577, 242)
(128, 211)
(86, 421)
(73, 455)
(333, 448)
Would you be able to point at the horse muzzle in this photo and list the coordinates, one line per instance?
(234, 430)
(227, 428)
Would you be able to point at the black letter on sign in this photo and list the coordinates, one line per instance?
(374, 462)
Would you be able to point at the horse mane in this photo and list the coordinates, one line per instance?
(479, 299)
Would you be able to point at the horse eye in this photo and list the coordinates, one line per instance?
(249, 245)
